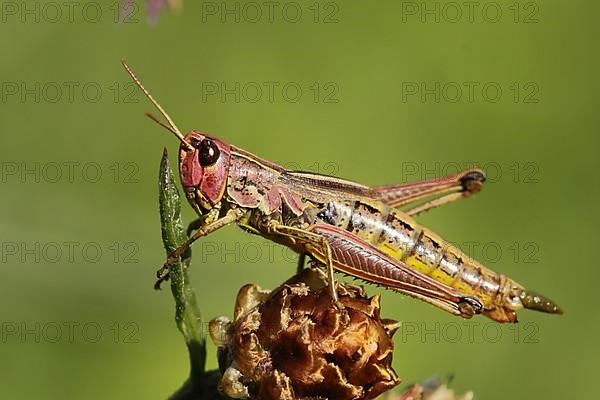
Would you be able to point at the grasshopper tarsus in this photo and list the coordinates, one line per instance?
(341, 308)
(160, 280)
(159, 274)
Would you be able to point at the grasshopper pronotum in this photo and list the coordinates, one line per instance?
(343, 225)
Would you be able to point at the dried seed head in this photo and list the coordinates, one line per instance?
(295, 343)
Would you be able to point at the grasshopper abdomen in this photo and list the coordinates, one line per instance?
(399, 236)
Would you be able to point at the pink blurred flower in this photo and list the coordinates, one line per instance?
(154, 7)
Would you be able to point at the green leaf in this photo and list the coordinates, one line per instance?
(187, 314)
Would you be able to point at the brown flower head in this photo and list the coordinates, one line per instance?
(296, 343)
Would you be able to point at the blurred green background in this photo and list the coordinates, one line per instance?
(379, 103)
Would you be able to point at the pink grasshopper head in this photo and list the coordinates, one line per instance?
(203, 159)
(203, 167)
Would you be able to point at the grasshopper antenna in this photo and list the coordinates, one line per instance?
(159, 122)
(171, 127)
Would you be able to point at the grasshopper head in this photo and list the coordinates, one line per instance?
(203, 159)
(203, 167)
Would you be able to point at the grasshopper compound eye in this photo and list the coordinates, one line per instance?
(208, 153)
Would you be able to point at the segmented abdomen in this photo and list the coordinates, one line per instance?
(402, 238)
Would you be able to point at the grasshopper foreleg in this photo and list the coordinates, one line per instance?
(194, 225)
(205, 219)
(162, 274)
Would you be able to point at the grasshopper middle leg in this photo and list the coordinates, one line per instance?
(301, 262)
(315, 240)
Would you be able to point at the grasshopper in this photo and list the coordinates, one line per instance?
(342, 225)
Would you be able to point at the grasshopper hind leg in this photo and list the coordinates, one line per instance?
(470, 306)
